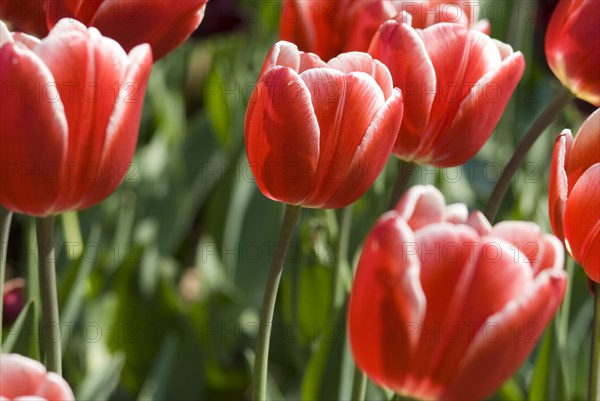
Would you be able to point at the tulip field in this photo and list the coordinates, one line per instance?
(300, 200)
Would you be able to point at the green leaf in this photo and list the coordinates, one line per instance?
(511, 391)
(22, 336)
(155, 386)
(323, 374)
(99, 384)
(76, 292)
(539, 387)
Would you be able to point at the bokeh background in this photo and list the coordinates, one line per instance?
(160, 285)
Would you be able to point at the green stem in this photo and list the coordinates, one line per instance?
(47, 270)
(595, 359)
(259, 379)
(561, 99)
(339, 287)
(359, 385)
(405, 172)
(5, 219)
(563, 328)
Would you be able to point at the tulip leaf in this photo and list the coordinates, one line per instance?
(154, 387)
(99, 384)
(76, 292)
(216, 95)
(539, 387)
(511, 391)
(323, 374)
(22, 335)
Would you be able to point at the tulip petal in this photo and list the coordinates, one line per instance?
(122, 127)
(506, 338)
(22, 378)
(386, 303)
(284, 54)
(372, 153)
(478, 114)
(524, 236)
(448, 255)
(33, 144)
(479, 222)
(586, 149)
(456, 213)
(296, 27)
(55, 388)
(568, 51)
(308, 61)
(558, 188)
(399, 47)
(422, 205)
(449, 46)
(164, 24)
(496, 262)
(19, 375)
(89, 95)
(282, 136)
(582, 222)
(356, 61)
(345, 106)
(5, 35)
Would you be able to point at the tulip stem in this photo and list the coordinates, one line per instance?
(48, 292)
(405, 172)
(259, 379)
(359, 385)
(5, 219)
(561, 99)
(595, 359)
(340, 288)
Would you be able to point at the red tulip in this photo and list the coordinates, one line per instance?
(164, 24)
(574, 194)
(455, 82)
(446, 307)
(13, 299)
(71, 107)
(318, 134)
(22, 378)
(572, 47)
(328, 27)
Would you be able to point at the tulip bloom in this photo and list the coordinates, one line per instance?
(22, 378)
(455, 82)
(574, 194)
(328, 28)
(164, 24)
(13, 299)
(71, 111)
(572, 47)
(446, 307)
(318, 134)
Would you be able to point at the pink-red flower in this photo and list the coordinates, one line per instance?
(331, 27)
(164, 24)
(572, 48)
(318, 134)
(23, 378)
(574, 194)
(71, 107)
(13, 299)
(455, 83)
(445, 306)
